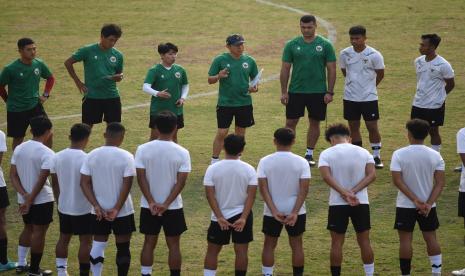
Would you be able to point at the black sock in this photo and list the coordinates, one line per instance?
(3, 250)
(298, 270)
(357, 143)
(146, 274)
(405, 266)
(335, 270)
(84, 269)
(215, 157)
(35, 262)
(123, 258)
(175, 272)
(240, 272)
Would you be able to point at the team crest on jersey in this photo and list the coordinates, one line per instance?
(162, 76)
(36, 71)
(113, 59)
(298, 48)
(228, 65)
(245, 65)
(20, 74)
(177, 75)
(319, 48)
(96, 57)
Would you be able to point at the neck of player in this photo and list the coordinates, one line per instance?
(310, 38)
(232, 157)
(282, 148)
(431, 56)
(360, 48)
(166, 65)
(26, 61)
(165, 137)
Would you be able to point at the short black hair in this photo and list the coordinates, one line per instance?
(433, 39)
(111, 29)
(418, 128)
(79, 132)
(164, 48)
(114, 129)
(358, 30)
(40, 125)
(234, 144)
(308, 18)
(336, 129)
(284, 136)
(166, 122)
(23, 42)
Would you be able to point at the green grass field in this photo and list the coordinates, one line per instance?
(199, 29)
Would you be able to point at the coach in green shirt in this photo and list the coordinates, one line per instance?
(233, 70)
(313, 60)
(103, 67)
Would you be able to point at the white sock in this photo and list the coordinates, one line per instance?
(369, 269)
(22, 255)
(376, 147)
(98, 250)
(267, 270)
(436, 263)
(62, 264)
(209, 272)
(309, 152)
(436, 147)
(146, 270)
(214, 160)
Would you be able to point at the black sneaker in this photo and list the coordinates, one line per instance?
(458, 169)
(310, 160)
(22, 269)
(378, 163)
(42, 272)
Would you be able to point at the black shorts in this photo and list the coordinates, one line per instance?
(273, 228)
(314, 103)
(180, 122)
(4, 201)
(435, 117)
(39, 214)
(220, 237)
(18, 122)
(461, 204)
(75, 225)
(338, 218)
(94, 110)
(243, 116)
(173, 222)
(120, 226)
(354, 110)
(407, 217)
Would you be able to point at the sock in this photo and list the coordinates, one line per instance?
(175, 272)
(335, 271)
(209, 272)
(369, 269)
(123, 258)
(97, 257)
(240, 272)
(436, 263)
(22, 254)
(35, 262)
(298, 270)
(376, 147)
(214, 160)
(84, 269)
(146, 270)
(405, 266)
(436, 147)
(267, 270)
(3, 251)
(62, 264)
(309, 151)
(357, 143)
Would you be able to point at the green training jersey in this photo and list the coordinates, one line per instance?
(99, 66)
(234, 90)
(23, 83)
(171, 79)
(308, 64)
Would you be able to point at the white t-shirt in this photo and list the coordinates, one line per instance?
(360, 80)
(347, 163)
(108, 166)
(283, 171)
(67, 165)
(431, 92)
(30, 157)
(162, 161)
(461, 149)
(2, 149)
(231, 178)
(417, 163)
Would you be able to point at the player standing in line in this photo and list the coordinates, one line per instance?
(435, 79)
(233, 70)
(230, 186)
(106, 186)
(73, 207)
(363, 69)
(167, 83)
(162, 169)
(313, 60)
(283, 178)
(461, 203)
(30, 166)
(23, 101)
(103, 67)
(418, 173)
(348, 170)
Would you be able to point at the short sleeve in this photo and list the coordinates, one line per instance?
(45, 72)
(186, 162)
(80, 54)
(322, 161)
(447, 71)
(342, 61)
(184, 80)
(14, 156)
(395, 162)
(47, 161)
(261, 169)
(139, 158)
(53, 166)
(330, 53)
(130, 169)
(441, 165)
(253, 181)
(215, 67)
(287, 53)
(4, 77)
(378, 61)
(369, 158)
(150, 77)
(2, 142)
(254, 69)
(208, 178)
(85, 168)
(461, 141)
(305, 170)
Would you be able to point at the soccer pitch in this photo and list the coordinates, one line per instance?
(199, 28)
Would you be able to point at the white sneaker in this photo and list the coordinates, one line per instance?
(458, 272)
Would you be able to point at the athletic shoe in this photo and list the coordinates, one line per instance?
(42, 272)
(378, 163)
(458, 169)
(8, 266)
(458, 272)
(310, 160)
(22, 269)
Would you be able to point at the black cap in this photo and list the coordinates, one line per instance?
(235, 39)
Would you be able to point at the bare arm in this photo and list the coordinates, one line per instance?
(265, 192)
(450, 84)
(400, 184)
(210, 193)
(284, 76)
(88, 190)
(126, 188)
(3, 93)
(55, 185)
(462, 157)
(439, 183)
(221, 75)
(331, 75)
(144, 185)
(303, 192)
(16, 182)
(240, 223)
(69, 66)
(370, 176)
(379, 75)
(329, 179)
(177, 188)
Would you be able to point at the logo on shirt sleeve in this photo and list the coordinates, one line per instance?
(177, 75)
(113, 59)
(319, 48)
(245, 65)
(37, 71)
